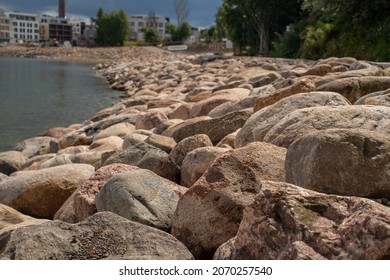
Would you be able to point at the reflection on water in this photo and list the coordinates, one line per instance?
(36, 95)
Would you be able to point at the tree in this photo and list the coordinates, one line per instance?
(253, 24)
(182, 11)
(112, 29)
(180, 33)
(151, 36)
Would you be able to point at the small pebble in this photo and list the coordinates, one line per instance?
(385, 201)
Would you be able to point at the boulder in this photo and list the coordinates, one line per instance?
(162, 142)
(150, 120)
(233, 106)
(81, 204)
(41, 193)
(149, 157)
(11, 161)
(92, 158)
(305, 121)
(299, 86)
(57, 132)
(140, 196)
(120, 129)
(216, 128)
(355, 87)
(257, 126)
(102, 236)
(197, 162)
(350, 162)
(111, 143)
(133, 139)
(287, 222)
(187, 145)
(3, 177)
(38, 146)
(76, 138)
(209, 213)
(10, 217)
(202, 108)
(380, 100)
(182, 112)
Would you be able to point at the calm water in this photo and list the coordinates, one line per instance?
(36, 95)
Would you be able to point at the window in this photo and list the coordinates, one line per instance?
(140, 24)
(160, 24)
(15, 29)
(132, 23)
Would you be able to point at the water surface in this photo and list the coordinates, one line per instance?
(36, 95)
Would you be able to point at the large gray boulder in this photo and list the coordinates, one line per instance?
(257, 126)
(287, 222)
(41, 193)
(305, 121)
(351, 162)
(149, 157)
(209, 213)
(102, 236)
(81, 204)
(140, 196)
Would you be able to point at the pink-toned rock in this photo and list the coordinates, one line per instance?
(182, 112)
(111, 143)
(120, 129)
(289, 222)
(180, 151)
(81, 204)
(197, 162)
(209, 213)
(57, 132)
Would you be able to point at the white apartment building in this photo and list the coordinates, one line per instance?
(138, 23)
(24, 27)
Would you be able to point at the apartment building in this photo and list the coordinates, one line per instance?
(55, 30)
(24, 27)
(5, 28)
(83, 32)
(138, 23)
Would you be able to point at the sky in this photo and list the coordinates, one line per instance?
(202, 12)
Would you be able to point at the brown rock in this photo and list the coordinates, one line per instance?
(356, 87)
(300, 86)
(162, 142)
(216, 128)
(351, 162)
(288, 222)
(150, 120)
(187, 145)
(209, 213)
(121, 130)
(197, 162)
(11, 161)
(41, 193)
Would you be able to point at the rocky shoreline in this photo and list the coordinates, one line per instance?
(207, 157)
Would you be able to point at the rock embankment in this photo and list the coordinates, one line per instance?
(208, 157)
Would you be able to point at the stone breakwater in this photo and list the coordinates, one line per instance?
(209, 157)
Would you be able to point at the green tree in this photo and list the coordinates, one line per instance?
(112, 29)
(254, 24)
(151, 36)
(179, 33)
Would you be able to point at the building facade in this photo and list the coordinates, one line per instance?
(138, 23)
(84, 33)
(5, 28)
(24, 27)
(54, 30)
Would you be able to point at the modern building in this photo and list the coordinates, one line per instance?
(24, 27)
(138, 23)
(5, 28)
(83, 32)
(55, 30)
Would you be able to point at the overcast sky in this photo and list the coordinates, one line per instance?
(201, 11)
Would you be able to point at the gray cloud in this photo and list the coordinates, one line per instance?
(201, 11)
